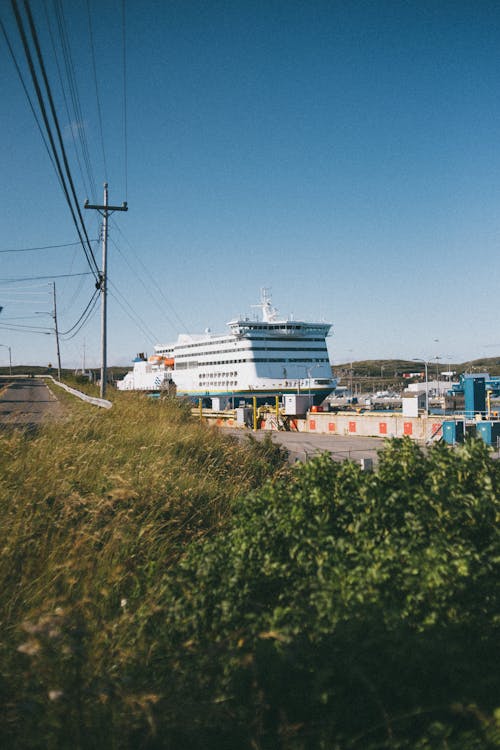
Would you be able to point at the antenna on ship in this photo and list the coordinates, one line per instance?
(269, 312)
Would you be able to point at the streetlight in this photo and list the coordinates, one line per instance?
(309, 371)
(53, 315)
(350, 371)
(437, 358)
(10, 357)
(424, 362)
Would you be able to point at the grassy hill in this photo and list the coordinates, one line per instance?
(375, 374)
(395, 367)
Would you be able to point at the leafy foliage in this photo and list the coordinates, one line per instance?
(160, 593)
(346, 610)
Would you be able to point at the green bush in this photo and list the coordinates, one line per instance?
(156, 594)
(343, 610)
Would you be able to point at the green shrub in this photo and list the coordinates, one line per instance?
(159, 593)
(343, 610)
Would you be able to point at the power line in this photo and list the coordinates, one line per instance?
(80, 323)
(34, 36)
(25, 89)
(42, 247)
(21, 317)
(27, 290)
(87, 250)
(132, 314)
(36, 297)
(93, 300)
(97, 90)
(143, 283)
(125, 128)
(35, 278)
(76, 293)
(20, 327)
(65, 98)
(153, 281)
(73, 90)
(85, 318)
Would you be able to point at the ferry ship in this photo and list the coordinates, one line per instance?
(255, 358)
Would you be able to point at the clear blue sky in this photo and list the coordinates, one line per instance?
(344, 154)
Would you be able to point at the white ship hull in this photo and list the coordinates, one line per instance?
(261, 359)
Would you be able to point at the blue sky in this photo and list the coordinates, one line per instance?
(343, 154)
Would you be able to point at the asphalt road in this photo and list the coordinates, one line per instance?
(26, 402)
(302, 446)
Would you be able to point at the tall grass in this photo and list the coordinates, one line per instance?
(95, 511)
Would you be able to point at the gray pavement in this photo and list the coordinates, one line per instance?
(303, 445)
(26, 403)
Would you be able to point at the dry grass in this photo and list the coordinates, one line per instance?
(94, 511)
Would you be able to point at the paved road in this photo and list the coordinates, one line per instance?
(26, 402)
(303, 445)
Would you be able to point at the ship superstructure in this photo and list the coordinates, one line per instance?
(263, 358)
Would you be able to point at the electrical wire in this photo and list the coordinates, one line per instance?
(16, 301)
(22, 317)
(87, 319)
(27, 290)
(19, 327)
(42, 247)
(149, 291)
(25, 89)
(76, 293)
(10, 319)
(93, 300)
(73, 90)
(88, 251)
(34, 35)
(125, 124)
(152, 280)
(65, 98)
(132, 314)
(97, 89)
(52, 276)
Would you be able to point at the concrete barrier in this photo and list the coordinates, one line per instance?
(368, 424)
(380, 424)
(102, 402)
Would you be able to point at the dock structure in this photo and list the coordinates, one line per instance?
(478, 416)
(424, 428)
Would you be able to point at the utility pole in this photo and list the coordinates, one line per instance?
(105, 211)
(56, 332)
(10, 353)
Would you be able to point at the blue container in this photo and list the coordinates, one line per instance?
(489, 432)
(475, 395)
(453, 432)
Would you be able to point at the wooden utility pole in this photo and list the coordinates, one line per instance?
(56, 331)
(105, 211)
